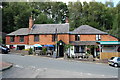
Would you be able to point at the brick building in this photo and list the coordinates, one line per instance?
(50, 34)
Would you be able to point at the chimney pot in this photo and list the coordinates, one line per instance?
(66, 20)
(30, 22)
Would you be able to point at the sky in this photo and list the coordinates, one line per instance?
(103, 1)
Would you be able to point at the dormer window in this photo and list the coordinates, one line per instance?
(98, 37)
(77, 37)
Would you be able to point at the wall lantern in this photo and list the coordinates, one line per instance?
(60, 43)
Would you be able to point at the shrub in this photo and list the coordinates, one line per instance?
(26, 49)
(44, 50)
(30, 51)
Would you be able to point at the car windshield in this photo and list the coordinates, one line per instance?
(111, 58)
(118, 59)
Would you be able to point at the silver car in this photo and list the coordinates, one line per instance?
(114, 61)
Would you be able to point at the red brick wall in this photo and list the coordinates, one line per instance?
(47, 39)
(93, 38)
(88, 37)
(43, 40)
(64, 38)
(17, 38)
(72, 37)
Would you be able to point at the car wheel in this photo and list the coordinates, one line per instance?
(115, 65)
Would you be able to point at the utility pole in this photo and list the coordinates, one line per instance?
(56, 39)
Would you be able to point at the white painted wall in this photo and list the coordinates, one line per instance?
(72, 51)
(8, 46)
(26, 46)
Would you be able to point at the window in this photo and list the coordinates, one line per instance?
(98, 37)
(77, 37)
(36, 38)
(20, 47)
(53, 38)
(118, 59)
(79, 49)
(21, 38)
(76, 49)
(12, 38)
(37, 48)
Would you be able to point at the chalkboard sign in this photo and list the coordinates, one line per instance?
(54, 54)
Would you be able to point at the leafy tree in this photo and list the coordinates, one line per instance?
(116, 23)
(106, 17)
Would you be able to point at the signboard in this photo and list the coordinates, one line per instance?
(54, 54)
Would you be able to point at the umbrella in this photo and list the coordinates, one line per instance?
(48, 46)
(37, 45)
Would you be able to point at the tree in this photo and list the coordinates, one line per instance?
(116, 23)
(15, 16)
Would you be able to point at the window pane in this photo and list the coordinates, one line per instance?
(36, 38)
(97, 37)
(77, 37)
(76, 49)
(53, 38)
(12, 38)
(21, 38)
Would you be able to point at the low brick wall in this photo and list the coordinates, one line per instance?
(18, 51)
(108, 55)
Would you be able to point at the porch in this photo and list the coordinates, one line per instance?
(83, 49)
(109, 49)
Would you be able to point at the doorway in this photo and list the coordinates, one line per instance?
(61, 51)
(20, 47)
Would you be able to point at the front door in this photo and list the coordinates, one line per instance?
(92, 51)
(61, 51)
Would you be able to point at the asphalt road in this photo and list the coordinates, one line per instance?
(41, 67)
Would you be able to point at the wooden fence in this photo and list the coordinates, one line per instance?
(108, 55)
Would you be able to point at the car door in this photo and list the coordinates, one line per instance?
(118, 61)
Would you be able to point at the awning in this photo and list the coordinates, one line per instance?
(83, 42)
(109, 42)
(48, 46)
(37, 45)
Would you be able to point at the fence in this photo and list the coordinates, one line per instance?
(108, 55)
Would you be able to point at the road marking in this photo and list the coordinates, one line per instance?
(89, 74)
(103, 75)
(19, 66)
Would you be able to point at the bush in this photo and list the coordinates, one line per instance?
(44, 50)
(30, 51)
(26, 49)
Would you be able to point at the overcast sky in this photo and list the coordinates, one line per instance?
(103, 1)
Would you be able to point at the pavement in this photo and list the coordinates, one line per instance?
(5, 66)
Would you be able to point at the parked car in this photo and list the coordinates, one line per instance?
(114, 61)
(4, 49)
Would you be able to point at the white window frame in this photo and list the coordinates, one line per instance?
(98, 37)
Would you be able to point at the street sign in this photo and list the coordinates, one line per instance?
(54, 54)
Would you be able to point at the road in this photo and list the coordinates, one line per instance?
(44, 67)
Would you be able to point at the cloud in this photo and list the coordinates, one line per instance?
(66, 1)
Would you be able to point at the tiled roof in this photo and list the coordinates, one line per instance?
(86, 29)
(49, 28)
(21, 31)
(61, 28)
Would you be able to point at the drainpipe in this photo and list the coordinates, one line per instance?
(100, 50)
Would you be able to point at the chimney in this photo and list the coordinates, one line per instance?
(30, 22)
(66, 20)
